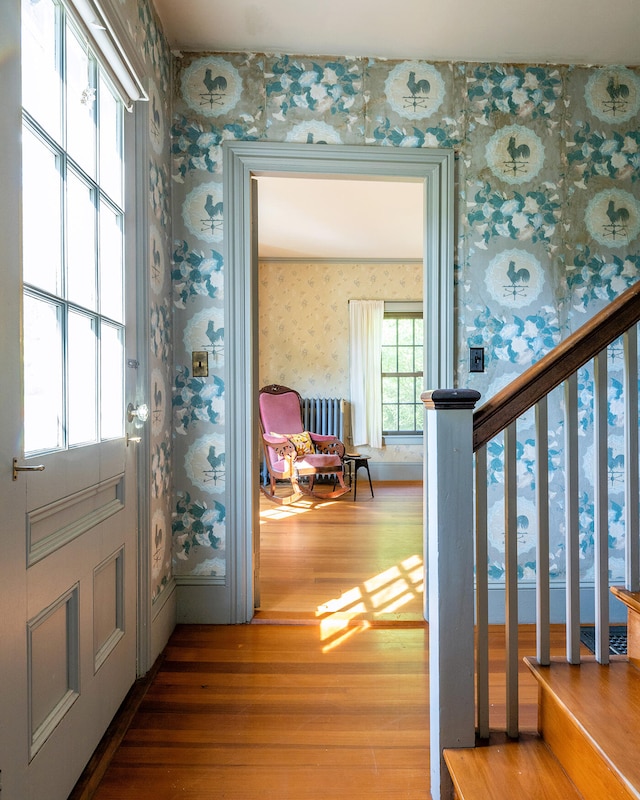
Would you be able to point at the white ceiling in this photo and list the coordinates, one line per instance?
(555, 31)
(293, 214)
(305, 218)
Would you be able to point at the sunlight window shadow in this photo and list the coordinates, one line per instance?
(358, 608)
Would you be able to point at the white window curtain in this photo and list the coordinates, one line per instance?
(365, 378)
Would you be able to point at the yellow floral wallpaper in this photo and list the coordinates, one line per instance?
(303, 310)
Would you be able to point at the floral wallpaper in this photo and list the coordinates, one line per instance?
(148, 39)
(303, 324)
(547, 227)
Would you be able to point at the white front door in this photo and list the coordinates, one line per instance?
(68, 571)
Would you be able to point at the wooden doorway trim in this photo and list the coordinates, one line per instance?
(242, 162)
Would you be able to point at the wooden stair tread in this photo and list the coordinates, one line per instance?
(630, 599)
(603, 703)
(505, 768)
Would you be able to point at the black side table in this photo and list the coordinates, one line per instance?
(355, 461)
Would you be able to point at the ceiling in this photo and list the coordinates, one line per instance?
(306, 219)
(311, 218)
(555, 31)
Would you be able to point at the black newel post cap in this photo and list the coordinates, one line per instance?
(456, 399)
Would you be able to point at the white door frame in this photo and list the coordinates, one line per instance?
(242, 162)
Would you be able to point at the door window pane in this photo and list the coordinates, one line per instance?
(82, 366)
(41, 82)
(41, 215)
(81, 243)
(111, 263)
(43, 386)
(110, 143)
(81, 102)
(112, 400)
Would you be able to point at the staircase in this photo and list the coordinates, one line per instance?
(589, 727)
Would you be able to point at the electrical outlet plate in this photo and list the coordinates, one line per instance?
(200, 364)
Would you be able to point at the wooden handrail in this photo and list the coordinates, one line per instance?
(556, 366)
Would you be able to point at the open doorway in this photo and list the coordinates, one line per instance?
(323, 242)
(243, 162)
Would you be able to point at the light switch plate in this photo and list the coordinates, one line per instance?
(200, 364)
(476, 359)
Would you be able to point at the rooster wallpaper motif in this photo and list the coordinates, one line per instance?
(537, 171)
(211, 86)
(515, 154)
(547, 224)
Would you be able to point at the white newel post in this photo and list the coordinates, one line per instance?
(450, 593)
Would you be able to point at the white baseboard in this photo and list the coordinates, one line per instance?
(163, 619)
(527, 605)
(391, 471)
(202, 601)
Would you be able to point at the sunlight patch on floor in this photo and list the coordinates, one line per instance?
(386, 593)
(288, 512)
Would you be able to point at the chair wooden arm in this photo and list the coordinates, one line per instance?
(328, 445)
(281, 446)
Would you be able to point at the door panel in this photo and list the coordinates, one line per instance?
(68, 572)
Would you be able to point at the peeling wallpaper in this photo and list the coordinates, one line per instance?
(547, 224)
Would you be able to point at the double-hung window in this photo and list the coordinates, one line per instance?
(72, 235)
(402, 370)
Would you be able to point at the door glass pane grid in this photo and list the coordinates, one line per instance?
(80, 102)
(43, 371)
(110, 142)
(82, 361)
(41, 212)
(402, 370)
(80, 272)
(81, 242)
(41, 64)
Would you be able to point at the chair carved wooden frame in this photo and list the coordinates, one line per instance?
(292, 453)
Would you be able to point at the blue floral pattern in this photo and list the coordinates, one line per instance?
(296, 83)
(197, 524)
(520, 91)
(197, 400)
(195, 275)
(610, 154)
(526, 217)
(527, 270)
(596, 278)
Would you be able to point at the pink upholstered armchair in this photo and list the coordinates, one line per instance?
(291, 452)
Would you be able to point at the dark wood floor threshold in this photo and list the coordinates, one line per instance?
(93, 773)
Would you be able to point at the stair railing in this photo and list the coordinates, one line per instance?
(450, 484)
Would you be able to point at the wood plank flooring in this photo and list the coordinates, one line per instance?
(258, 711)
(342, 559)
(332, 707)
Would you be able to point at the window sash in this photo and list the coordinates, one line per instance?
(401, 388)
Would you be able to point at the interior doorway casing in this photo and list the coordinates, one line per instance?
(244, 161)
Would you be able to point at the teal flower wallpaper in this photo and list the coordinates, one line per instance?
(547, 232)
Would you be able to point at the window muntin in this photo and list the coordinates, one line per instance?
(402, 373)
(73, 240)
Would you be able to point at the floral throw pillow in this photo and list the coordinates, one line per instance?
(301, 441)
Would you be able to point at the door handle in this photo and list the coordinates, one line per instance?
(17, 469)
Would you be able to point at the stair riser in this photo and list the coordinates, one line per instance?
(633, 638)
(581, 761)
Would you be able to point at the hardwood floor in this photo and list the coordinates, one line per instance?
(258, 711)
(344, 560)
(333, 706)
